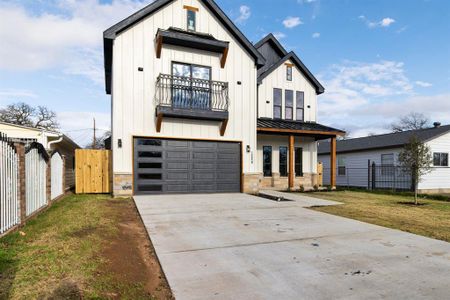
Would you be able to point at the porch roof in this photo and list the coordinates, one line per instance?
(288, 127)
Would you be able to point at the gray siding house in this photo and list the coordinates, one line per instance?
(354, 156)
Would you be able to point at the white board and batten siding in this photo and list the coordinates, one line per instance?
(35, 181)
(133, 92)
(308, 145)
(9, 189)
(57, 176)
(277, 79)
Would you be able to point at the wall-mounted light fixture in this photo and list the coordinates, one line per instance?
(119, 143)
(248, 148)
(140, 69)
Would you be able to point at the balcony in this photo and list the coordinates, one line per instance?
(191, 98)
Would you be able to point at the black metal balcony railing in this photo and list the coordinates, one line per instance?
(187, 93)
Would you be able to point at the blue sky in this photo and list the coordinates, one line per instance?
(377, 59)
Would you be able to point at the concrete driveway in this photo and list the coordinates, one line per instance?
(237, 246)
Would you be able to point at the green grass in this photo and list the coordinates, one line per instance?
(431, 218)
(59, 254)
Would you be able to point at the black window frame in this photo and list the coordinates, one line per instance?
(276, 105)
(341, 169)
(298, 163)
(289, 72)
(286, 107)
(442, 157)
(299, 107)
(267, 172)
(192, 13)
(387, 169)
(283, 161)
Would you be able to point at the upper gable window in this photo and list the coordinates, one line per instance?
(288, 72)
(191, 14)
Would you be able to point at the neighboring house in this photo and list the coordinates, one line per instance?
(197, 108)
(52, 141)
(355, 155)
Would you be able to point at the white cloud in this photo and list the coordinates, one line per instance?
(46, 40)
(423, 84)
(316, 35)
(385, 22)
(244, 14)
(291, 22)
(279, 35)
(16, 94)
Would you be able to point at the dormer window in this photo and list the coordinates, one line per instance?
(191, 21)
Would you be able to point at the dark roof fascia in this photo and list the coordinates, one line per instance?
(110, 34)
(291, 55)
(191, 41)
(271, 38)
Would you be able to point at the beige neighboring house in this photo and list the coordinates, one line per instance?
(52, 141)
(198, 108)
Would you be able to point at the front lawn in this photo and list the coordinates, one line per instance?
(83, 246)
(431, 218)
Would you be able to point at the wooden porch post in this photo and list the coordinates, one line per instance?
(333, 162)
(291, 162)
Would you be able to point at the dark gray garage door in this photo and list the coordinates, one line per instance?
(182, 166)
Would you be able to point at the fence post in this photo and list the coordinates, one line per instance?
(20, 148)
(368, 174)
(374, 186)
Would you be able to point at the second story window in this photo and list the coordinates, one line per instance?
(277, 103)
(288, 72)
(289, 104)
(440, 159)
(300, 105)
(191, 22)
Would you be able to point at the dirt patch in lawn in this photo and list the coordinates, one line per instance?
(130, 257)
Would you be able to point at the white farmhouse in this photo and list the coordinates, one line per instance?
(198, 108)
(354, 156)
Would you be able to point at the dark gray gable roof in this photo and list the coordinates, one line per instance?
(110, 34)
(299, 64)
(272, 51)
(383, 141)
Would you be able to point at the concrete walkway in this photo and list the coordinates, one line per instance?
(300, 199)
(237, 246)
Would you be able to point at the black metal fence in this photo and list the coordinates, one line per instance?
(191, 93)
(372, 177)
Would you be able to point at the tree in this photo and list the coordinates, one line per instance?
(99, 141)
(416, 159)
(411, 121)
(23, 114)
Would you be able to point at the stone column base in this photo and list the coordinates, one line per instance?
(122, 185)
(251, 183)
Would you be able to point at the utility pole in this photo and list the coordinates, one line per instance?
(94, 141)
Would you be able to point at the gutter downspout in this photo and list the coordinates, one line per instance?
(55, 141)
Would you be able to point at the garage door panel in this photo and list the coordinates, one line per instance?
(181, 166)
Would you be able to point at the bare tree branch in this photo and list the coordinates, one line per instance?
(45, 119)
(23, 114)
(412, 121)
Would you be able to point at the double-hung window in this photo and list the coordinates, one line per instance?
(288, 104)
(440, 159)
(277, 99)
(283, 161)
(387, 164)
(300, 105)
(267, 161)
(341, 166)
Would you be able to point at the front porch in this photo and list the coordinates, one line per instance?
(288, 153)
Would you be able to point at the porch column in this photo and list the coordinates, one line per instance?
(333, 162)
(291, 162)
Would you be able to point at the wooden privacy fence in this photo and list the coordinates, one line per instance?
(9, 178)
(320, 174)
(92, 171)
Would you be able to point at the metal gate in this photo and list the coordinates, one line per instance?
(185, 166)
(56, 175)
